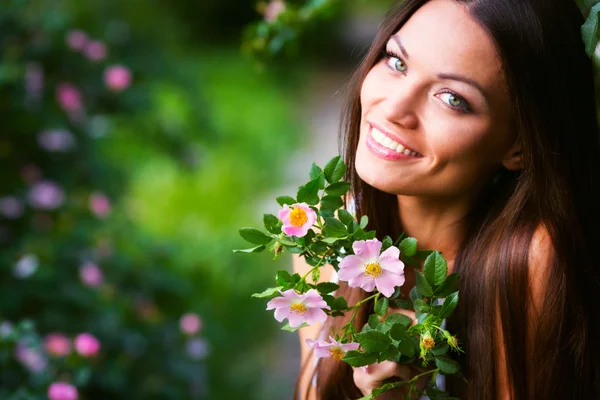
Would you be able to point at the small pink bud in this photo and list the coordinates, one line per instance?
(62, 391)
(57, 344)
(99, 205)
(190, 324)
(91, 275)
(117, 77)
(95, 50)
(87, 345)
(274, 8)
(76, 39)
(46, 195)
(69, 97)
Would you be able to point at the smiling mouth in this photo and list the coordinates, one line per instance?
(387, 142)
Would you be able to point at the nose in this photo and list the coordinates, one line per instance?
(400, 105)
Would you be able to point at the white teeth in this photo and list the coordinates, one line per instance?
(407, 152)
(390, 144)
(400, 148)
(414, 153)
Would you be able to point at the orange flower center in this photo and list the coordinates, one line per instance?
(298, 217)
(337, 353)
(299, 309)
(373, 270)
(428, 342)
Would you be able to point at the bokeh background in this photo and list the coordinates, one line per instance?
(135, 139)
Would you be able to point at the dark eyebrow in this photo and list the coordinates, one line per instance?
(454, 77)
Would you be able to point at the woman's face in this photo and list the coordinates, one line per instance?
(435, 109)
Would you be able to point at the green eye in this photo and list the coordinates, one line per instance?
(454, 101)
(400, 65)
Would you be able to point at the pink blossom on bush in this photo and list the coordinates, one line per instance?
(87, 345)
(367, 269)
(99, 205)
(273, 9)
(69, 97)
(332, 348)
(26, 266)
(46, 195)
(30, 357)
(297, 219)
(95, 50)
(197, 348)
(62, 391)
(76, 39)
(57, 344)
(56, 140)
(91, 275)
(117, 77)
(11, 207)
(190, 324)
(299, 308)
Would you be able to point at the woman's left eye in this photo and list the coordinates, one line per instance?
(455, 101)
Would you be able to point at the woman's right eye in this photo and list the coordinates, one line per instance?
(394, 62)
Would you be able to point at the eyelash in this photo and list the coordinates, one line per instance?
(389, 54)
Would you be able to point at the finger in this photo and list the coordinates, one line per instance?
(382, 371)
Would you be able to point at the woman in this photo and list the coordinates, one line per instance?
(471, 125)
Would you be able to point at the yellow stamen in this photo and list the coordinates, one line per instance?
(373, 270)
(299, 309)
(298, 217)
(337, 353)
(428, 342)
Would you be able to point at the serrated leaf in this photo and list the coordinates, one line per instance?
(589, 30)
(327, 287)
(415, 294)
(381, 306)
(334, 170)
(386, 243)
(272, 224)
(450, 285)
(334, 228)
(406, 348)
(373, 321)
(267, 293)
(283, 277)
(423, 285)
(345, 217)
(408, 246)
(440, 349)
(446, 365)
(315, 171)
(331, 240)
(421, 306)
(340, 303)
(398, 318)
(256, 249)
(435, 269)
(331, 202)
(449, 305)
(309, 193)
(338, 188)
(283, 200)
(373, 341)
(357, 359)
(398, 331)
(254, 236)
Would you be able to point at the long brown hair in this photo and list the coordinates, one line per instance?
(551, 87)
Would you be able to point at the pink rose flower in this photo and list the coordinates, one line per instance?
(11, 207)
(95, 50)
(274, 8)
(58, 140)
(91, 275)
(332, 348)
(46, 195)
(190, 324)
(297, 219)
(299, 308)
(99, 205)
(69, 97)
(30, 357)
(368, 269)
(76, 39)
(87, 345)
(62, 391)
(117, 77)
(57, 344)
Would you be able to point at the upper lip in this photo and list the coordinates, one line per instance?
(393, 137)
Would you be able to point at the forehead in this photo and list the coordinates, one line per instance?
(442, 37)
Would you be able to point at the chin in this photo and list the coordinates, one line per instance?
(376, 174)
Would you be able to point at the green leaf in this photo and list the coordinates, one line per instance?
(398, 331)
(440, 349)
(373, 321)
(357, 359)
(288, 328)
(331, 240)
(340, 303)
(446, 365)
(267, 293)
(338, 188)
(331, 202)
(435, 269)
(255, 236)
(421, 306)
(334, 170)
(449, 305)
(386, 243)
(327, 287)
(398, 318)
(334, 228)
(364, 221)
(256, 249)
(373, 341)
(390, 354)
(272, 224)
(316, 274)
(315, 171)
(408, 246)
(381, 306)
(345, 217)
(283, 200)
(423, 254)
(283, 277)
(423, 286)
(449, 285)
(406, 348)
(415, 294)
(402, 303)
(309, 193)
(589, 30)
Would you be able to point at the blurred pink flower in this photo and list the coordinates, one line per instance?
(76, 39)
(69, 97)
(197, 348)
(11, 207)
(299, 308)
(87, 345)
(26, 266)
(367, 269)
(99, 205)
(62, 391)
(30, 357)
(46, 195)
(34, 79)
(95, 50)
(56, 140)
(117, 77)
(57, 344)
(332, 348)
(273, 9)
(91, 275)
(297, 219)
(190, 324)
